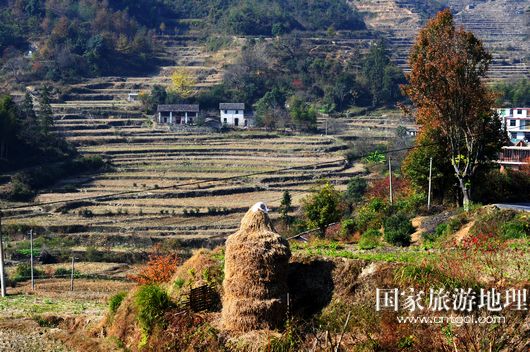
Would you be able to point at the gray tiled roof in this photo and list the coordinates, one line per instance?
(232, 106)
(178, 108)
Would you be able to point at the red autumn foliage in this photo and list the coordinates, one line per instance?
(483, 243)
(158, 269)
(380, 189)
(297, 84)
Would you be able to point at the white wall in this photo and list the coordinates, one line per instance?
(228, 117)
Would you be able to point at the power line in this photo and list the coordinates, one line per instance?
(198, 182)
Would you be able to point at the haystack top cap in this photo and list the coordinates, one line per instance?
(260, 206)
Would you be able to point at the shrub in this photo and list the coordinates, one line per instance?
(151, 302)
(398, 230)
(412, 203)
(515, 229)
(507, 186)
(179, 283)
(401, 188)
(158, 269)
(321, 208)
(86, 213)
(494, 222)
(23, 272)
(356, 189)
(19, 191)
(93, 255)
(60, 272)
(347, 227)
(375, 157)
(371, 214)
(115, 301)
(370, 239)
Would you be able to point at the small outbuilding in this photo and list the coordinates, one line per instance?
(132, 97)
(177, 114)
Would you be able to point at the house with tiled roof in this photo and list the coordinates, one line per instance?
(234, 115)
(177, 114)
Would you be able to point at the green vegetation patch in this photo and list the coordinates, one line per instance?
(115, 301)
(370, 239)
(152, 303)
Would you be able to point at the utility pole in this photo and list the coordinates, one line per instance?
(390, 178)
(31, 259)
(2, 272)
(72, 276)
(430, 182)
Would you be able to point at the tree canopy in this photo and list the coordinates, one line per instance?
(445, 84)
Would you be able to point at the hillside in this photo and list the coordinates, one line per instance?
(502, 25)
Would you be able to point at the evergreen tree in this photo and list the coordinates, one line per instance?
(8, 124)
(286, 206)
(45, 111)
(28, 116)
(381, 76)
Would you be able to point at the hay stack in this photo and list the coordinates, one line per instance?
(255, 283)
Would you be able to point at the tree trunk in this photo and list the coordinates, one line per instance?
(465, 194)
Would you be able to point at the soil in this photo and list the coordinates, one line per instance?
(26, 335)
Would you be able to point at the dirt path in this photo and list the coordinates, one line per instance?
(463, 232)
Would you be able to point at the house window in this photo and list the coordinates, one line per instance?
(519, 111)
(512, 123)
(226, 111)
(225, 120)
(237, 111)
(236, 122)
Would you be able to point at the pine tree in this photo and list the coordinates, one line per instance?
(45, 111)
(28, 111)
(286, 206)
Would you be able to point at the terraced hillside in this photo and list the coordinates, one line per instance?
(205, 204)
(151, 161)
(184, 52)
(502, 25)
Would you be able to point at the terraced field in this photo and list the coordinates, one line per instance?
(182, 184)
(149, 167)
(501, 24)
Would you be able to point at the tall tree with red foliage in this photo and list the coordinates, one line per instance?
(445, 84)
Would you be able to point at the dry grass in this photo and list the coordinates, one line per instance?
(255, 284)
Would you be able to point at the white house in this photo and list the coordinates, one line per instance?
(131, 97)
(233, 114)
(177, 114)
(517, 122)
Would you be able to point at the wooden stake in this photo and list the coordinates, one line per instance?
(72, 276)
(390, 172)
(2, 273)
(31, 258)
(430, 182)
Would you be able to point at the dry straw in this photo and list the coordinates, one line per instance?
(255, 283)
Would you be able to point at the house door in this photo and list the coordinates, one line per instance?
(236, 121)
